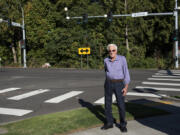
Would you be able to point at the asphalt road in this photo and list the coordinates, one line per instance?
(37, 89)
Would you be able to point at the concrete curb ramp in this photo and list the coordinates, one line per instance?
(148, 126)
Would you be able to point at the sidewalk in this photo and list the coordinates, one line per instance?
(159, 125)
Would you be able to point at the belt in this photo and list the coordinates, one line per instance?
(117, 80)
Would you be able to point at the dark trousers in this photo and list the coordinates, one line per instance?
(116, 88)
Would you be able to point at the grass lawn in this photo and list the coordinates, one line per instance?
(74, 120)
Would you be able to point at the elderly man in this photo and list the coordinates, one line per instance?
(117, 80)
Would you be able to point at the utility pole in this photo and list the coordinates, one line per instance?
(10, 23)
(126, 33)
(24, 39)
(176, 29)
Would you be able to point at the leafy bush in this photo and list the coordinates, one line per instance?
(36, 58)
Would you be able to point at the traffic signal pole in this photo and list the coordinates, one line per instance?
(176, 29)
(23, 32)
(141, 14)
(24, 39)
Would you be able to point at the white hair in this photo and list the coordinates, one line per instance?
(111, 45)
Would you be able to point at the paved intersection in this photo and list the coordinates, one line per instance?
(28, 93)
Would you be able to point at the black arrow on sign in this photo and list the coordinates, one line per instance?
(81, 50)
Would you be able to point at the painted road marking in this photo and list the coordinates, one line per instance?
(15, 112)
(101, 100)
(166, 76)
(63, 97)
(163, 79)
(158, 103)
(9, 89)
(155, 88)
(166, 102)
(171, 71)
(168, 84)
(145, 94)
(29, 94)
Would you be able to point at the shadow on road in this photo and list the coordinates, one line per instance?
(98, 111)
(168, 124)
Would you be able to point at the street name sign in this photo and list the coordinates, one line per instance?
(16, 24)
(139, 14)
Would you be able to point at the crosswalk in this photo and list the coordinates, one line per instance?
(63, 97)
(22, 112)
(8, 90)
(14, 112)
(164, 81)
(29, 94)
(160, 81)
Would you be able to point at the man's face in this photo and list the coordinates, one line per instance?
(112, 52)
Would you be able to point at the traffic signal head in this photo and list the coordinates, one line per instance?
(9, 22)
(175, 35)
(85, 18)
(110, 16)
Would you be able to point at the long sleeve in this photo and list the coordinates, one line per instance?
(126, 71)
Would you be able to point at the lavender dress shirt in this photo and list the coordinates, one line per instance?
(117, 69)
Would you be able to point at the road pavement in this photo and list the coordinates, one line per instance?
(25, 93)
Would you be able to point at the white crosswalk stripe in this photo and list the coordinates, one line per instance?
(163, 79)
(172, 71)
(14, 112)
(101, 100)
(63, 97)
(162, 76)
(145, 94)
(156, 88)
(167, 84)
(167, 74)
(29, 94)
(8, 90)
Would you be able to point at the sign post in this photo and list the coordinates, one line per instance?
(81, 61)
(84, 51)
(0, 62)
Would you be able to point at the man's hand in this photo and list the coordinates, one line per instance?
(124, 91)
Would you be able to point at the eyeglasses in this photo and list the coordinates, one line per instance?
(112, 50)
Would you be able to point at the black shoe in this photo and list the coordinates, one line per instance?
(123, 129)
(107, 126)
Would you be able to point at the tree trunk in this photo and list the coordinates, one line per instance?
(19, 54)
(127, 42)
(14, 54)
(126, 33)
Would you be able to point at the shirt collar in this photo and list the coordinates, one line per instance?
(117, 58)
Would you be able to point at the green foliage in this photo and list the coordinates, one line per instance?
(36, 58)
(51, 38)
(5, 55)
